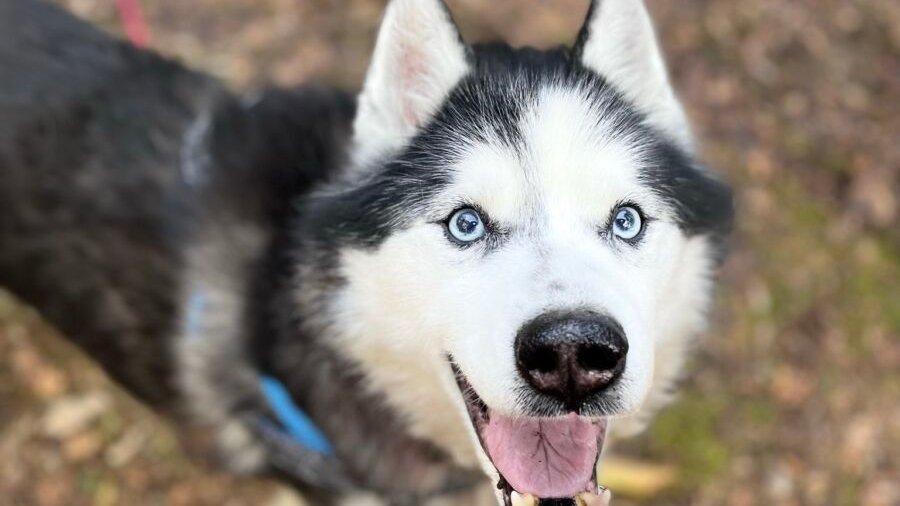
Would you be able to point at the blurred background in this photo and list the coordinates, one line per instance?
(794, 396)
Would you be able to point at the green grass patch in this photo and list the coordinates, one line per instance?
(687, 434)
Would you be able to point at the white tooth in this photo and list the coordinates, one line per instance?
(605, 497)
(523, 500)
(588, 499)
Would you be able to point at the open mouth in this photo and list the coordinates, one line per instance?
(541, 461)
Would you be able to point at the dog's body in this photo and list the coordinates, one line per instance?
(374, 261)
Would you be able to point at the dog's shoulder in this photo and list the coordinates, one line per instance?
(265, 148)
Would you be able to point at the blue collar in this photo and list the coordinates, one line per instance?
(292, 420)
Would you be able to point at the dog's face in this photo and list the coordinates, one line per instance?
(526, 239)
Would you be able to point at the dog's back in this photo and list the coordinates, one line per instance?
(95, 207)
(89, 141)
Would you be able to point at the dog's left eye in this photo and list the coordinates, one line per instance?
(466, 225)
(628, 223)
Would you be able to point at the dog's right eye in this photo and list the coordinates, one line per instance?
(628, 223)
(465, 225)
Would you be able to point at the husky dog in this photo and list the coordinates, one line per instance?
(455, 286)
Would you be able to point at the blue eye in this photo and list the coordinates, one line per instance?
(627, 223)
(466, 225)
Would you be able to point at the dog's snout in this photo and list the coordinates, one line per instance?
(571, 356)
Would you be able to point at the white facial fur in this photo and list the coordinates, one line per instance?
(418, 297)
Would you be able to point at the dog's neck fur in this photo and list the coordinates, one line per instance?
(374, 443)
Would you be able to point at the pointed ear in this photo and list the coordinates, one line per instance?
(419, 58)
(618, 42)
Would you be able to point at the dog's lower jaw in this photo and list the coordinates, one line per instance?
(601, 498)
(499, 438)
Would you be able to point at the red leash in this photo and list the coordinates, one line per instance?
(132, 17)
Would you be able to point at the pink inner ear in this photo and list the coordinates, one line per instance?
(413, 78)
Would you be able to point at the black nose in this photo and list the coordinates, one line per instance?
(571, 355)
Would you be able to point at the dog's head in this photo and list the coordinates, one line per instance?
(525, 238)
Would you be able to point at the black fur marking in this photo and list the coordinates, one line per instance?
(487, 106)
(273, 145)
(703, 203)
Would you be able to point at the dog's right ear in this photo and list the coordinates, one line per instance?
(419, 58)
(619, 43)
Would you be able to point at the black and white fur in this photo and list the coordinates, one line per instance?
(312, 225)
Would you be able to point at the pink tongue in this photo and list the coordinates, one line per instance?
(547, 457)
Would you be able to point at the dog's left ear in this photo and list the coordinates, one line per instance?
(419, 58)
(619, 43)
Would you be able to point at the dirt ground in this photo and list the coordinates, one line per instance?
(793, 396)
